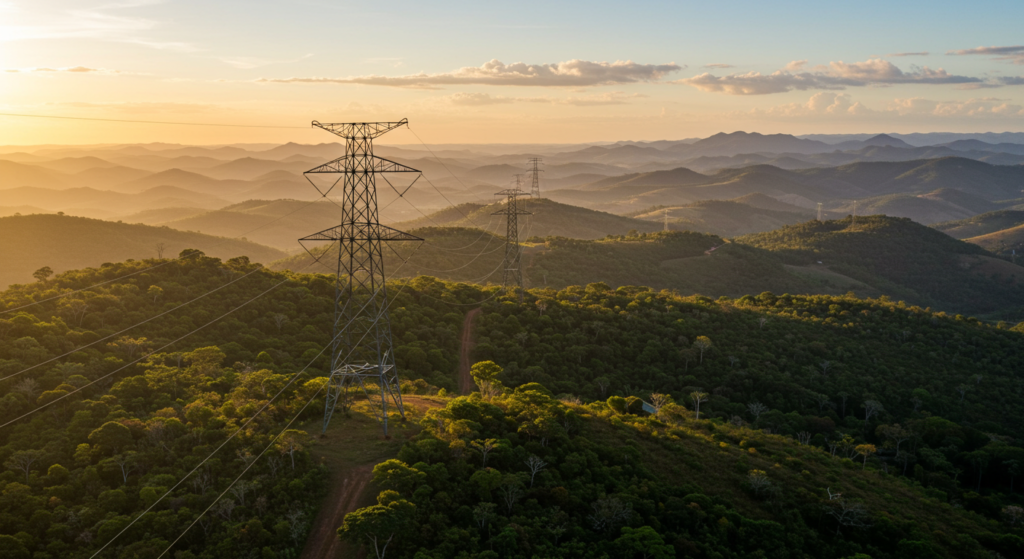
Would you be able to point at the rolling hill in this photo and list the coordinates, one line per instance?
(982, 224)
(548, 219)
(876, 256)
(726, 218)
(30, 242)
(903, 259)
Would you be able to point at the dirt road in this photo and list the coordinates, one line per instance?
(346, 489)
(467, 343)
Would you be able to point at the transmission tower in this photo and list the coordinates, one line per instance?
(513, 269)
(819, 211)
(361, 349)
(535, 187)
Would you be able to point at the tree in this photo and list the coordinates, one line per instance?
(702, 344)
(292, 441)
(155, 292)
(756, 409)
(895, 434)
(865, 450)
(23, 460)
(42, 274)
(535, 465)
(847, 514)
(484, 447)
(1013, 467)
(397, 476)
(872, 408)
(659, 401)
(698, 397)
(979, 459)
(759, 482)
(380, 523)
(1013, 514)
(823, 401)
(643, 542)
(160, 248)
(111, 435)
(609, 513)
(511, 490)
(485, 375)
(603, 383)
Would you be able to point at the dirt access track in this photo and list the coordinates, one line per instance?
(351, 448)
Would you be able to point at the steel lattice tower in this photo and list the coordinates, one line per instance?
(535, 187)
(512, 268)
(361, 347)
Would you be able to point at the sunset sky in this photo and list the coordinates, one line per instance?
(524, 72)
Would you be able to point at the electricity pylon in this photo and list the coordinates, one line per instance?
(512, 267)
(535, 187)
(361, 349)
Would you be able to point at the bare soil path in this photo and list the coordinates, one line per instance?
(347, 488)
(465, 351)
(350, 449)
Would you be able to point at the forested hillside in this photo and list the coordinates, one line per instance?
(59, 242)
(910, 415)
(904, 259)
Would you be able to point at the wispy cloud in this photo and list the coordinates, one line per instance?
(69, 70)
(248, 62)
(482, 99)
(572, 73)
(1014, 54)
(900, 54)
(107, 22)
(837, 75)
(976, 107)
(718, 66)
(831, 105)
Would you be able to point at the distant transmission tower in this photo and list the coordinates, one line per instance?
(361, 349)
(535, 187)
(513, 269)
(854, 221)
(819, 211)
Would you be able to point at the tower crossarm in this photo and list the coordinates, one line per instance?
(357, 165)
(360, 232)
(360, 130)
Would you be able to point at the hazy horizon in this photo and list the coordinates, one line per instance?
(545, 73)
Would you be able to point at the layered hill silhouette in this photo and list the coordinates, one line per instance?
(874, 256)
(30, 242)
(547, 219)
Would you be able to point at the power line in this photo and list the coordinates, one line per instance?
(126, 365)
(225, 442)
(126, 121)
(360, 273)
(154, 317)
(409, 128)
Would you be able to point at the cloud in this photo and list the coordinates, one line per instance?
(899, 54)
(572, 73)
(976, 107)
(718, 66)
(107, 22)
(248, 62)
(482, 99)
(1014, 54)
(819, 104)
(70, 70)
(479, 99)
(837, 75)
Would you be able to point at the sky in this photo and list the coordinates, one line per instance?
(485, 72)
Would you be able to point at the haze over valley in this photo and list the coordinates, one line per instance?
(408, 280)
